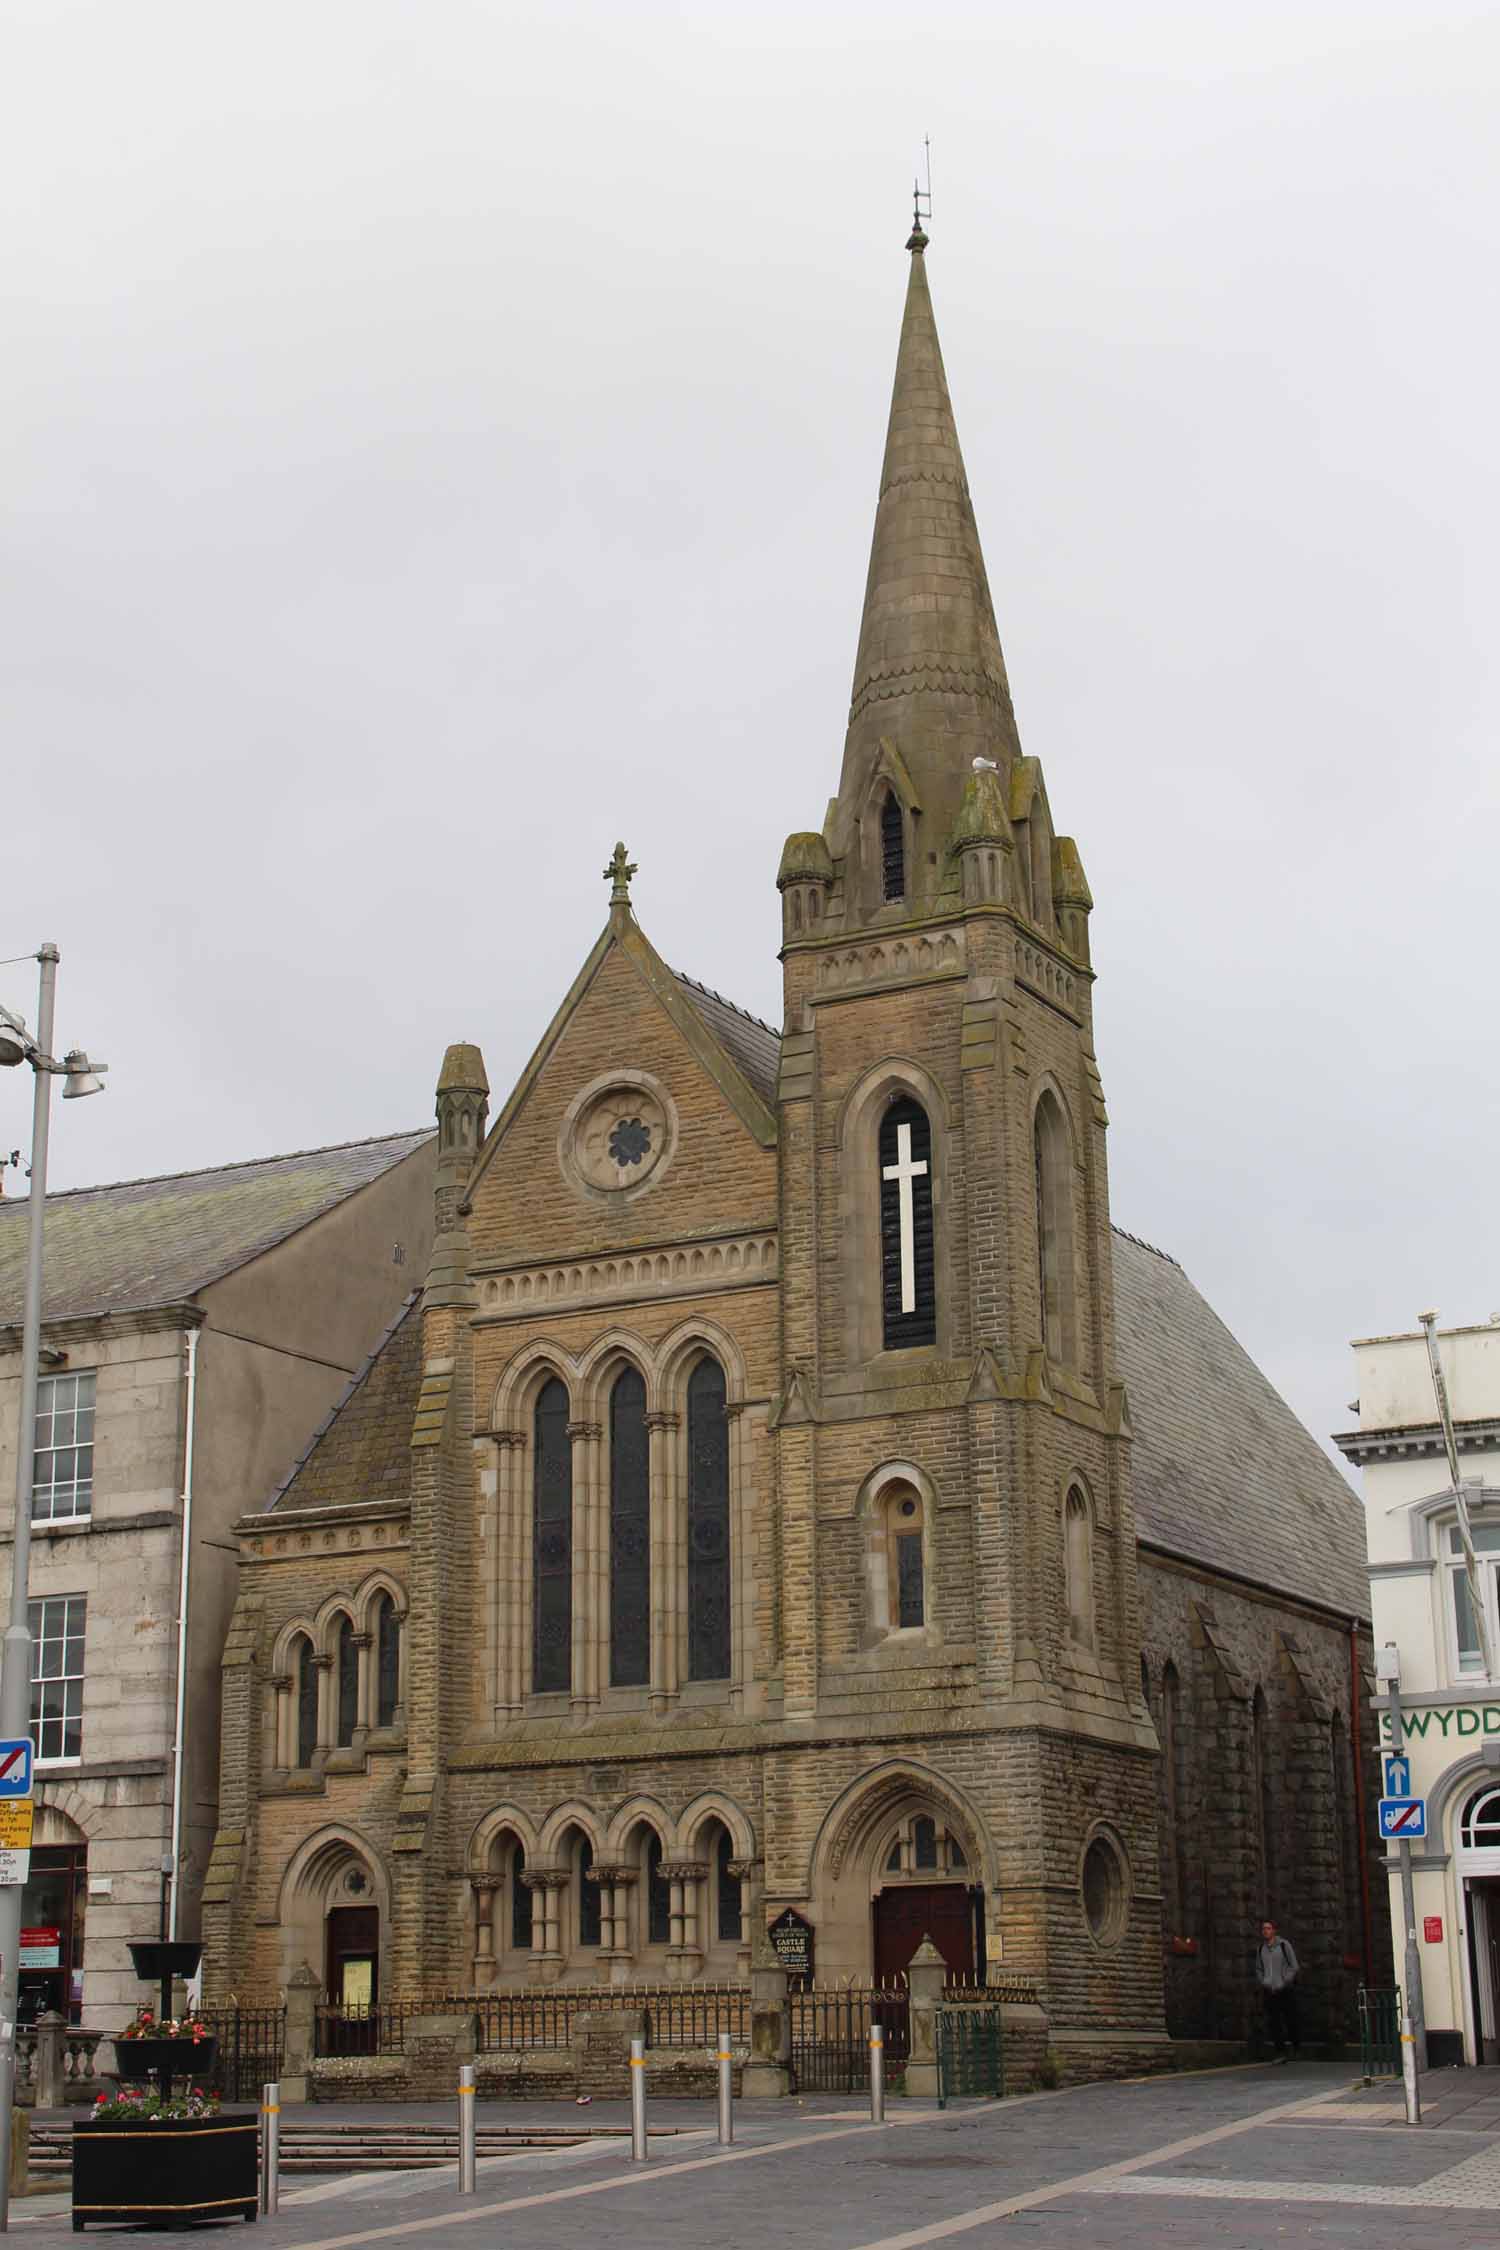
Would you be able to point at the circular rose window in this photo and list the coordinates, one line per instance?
(617, 1135)
(1105, 1896)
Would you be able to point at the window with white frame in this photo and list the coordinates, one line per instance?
(62, 1475)
(1461, 1601)
(57, 1624)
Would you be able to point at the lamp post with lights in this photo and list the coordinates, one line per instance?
(17, 1045)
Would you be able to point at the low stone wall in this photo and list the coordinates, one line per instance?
(1083, 2056)
(596, 2063)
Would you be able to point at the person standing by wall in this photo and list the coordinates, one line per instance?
(1276, 1972)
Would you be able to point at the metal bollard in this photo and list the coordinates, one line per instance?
(726, 2091)
(1409, 2070)
(270, 2145)
(877, 2075)
(638, 2101)
(468, 2179)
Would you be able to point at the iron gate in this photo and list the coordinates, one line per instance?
(1380, 2030)
(252, 2042)
(969, 2053)
(831, 2035)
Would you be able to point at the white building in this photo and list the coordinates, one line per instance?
(1450, 1699)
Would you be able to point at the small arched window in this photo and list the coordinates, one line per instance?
(348, 1668)
(1078, 1543)
(907, 1271)
(1479, 1828)
(905, 1562)
(629, 1534)
(589, 1903)
(305, 1674)
(892, 848)
(387, 1662)
(658, 1895)
(1054, 1230)
(731, 1913)
(551, 1543)
(709, 1636)
(520, 1900)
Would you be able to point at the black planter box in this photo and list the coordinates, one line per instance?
(158, 1958)
(174, 2172)
(164, 2060)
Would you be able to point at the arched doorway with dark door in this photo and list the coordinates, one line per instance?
(53, 1906)
(334, 1916)
(926, 1890)
(900, 1857)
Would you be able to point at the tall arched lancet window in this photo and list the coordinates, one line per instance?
(1054, 1230)
(892, 848)
(907, 1269)
(305, 1676)
(709, 1649)
(348, 1679)
(629, 1534)
(658, 1895)
(551, 1543)
(906, 1573)
(729, 1921)
(387, 1662)
(590, 1905)
(520, 1899)
(1078, 1546)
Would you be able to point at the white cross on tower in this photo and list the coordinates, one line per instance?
(903, 1172)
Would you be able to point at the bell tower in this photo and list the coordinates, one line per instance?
(946, 1288)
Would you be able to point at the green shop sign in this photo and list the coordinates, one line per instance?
(1445, 1721)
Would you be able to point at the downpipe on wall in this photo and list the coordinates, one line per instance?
(180, 1719)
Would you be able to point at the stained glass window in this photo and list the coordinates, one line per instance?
(708, 1524)
(658, 1896)
(552, 1544)
(589, 1902)
(629, 1534)
(731, 1908)
(305, 1673)
(910, 1593)
(348, 1683)
(387, 1661)
(520, 1900)
(908, 1288)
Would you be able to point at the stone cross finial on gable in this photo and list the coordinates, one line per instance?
(618, 873)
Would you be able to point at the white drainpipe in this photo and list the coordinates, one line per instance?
(182, 1631)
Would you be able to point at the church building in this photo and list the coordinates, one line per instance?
(790, 1501)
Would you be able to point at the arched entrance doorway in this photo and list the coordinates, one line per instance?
(901, 1857)
(1477, 1863)
(52, 1918)
(926, 1890)
(334, 1915)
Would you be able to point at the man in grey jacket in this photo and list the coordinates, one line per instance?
(1277, 1970)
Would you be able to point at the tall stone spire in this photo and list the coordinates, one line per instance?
(929, 678)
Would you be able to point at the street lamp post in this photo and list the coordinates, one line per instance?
(16, 1046)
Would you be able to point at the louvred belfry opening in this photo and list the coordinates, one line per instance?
(892, 849)
(908, 1290)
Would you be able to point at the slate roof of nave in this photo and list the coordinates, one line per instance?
(361, 1450)
(753, 1045)
(140, 1244)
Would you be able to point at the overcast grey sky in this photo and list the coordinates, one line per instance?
(442, 436)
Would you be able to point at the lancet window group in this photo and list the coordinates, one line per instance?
(615, 1560)
(338, 1678)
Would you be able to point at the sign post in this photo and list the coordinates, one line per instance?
(1408, 1816)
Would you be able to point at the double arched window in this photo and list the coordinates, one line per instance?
(908, 1282)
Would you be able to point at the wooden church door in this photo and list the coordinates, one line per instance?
(908, 1912)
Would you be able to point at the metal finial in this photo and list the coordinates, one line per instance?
(618, 874)
(920, 195)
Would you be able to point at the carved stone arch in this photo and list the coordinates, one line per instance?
(690, 1341)
(572, 1813)
(893, 1471)
(893, 1074)
(61, 1808)
(330, 1610)
(311, 1885)
(870, 1803)
(539, 1359)
(713, 1804)
(895, 1491)
(599, 1366)
(300, 1628)
(635, 1812)
(370, 1590)
(501, 1820)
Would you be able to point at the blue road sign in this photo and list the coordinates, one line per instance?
(15, 1768)
(1403, 1818)
(1397, 1775)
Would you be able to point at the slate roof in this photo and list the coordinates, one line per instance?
(140, 1244)
(753, 1045)
(362, 1450)
(1223, 1472)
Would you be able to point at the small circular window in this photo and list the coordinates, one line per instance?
(1104, 1891)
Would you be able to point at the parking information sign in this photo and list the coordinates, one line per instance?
(15, 1840)
(1403, 1818)
(15, 1768)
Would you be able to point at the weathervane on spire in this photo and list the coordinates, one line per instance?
(921, 195)
(618, 874)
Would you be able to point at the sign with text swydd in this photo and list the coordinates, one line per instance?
(1402, 1818)
(1439, 1723)
(15, 1767)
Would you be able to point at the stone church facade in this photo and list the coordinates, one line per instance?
(789, 1495)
